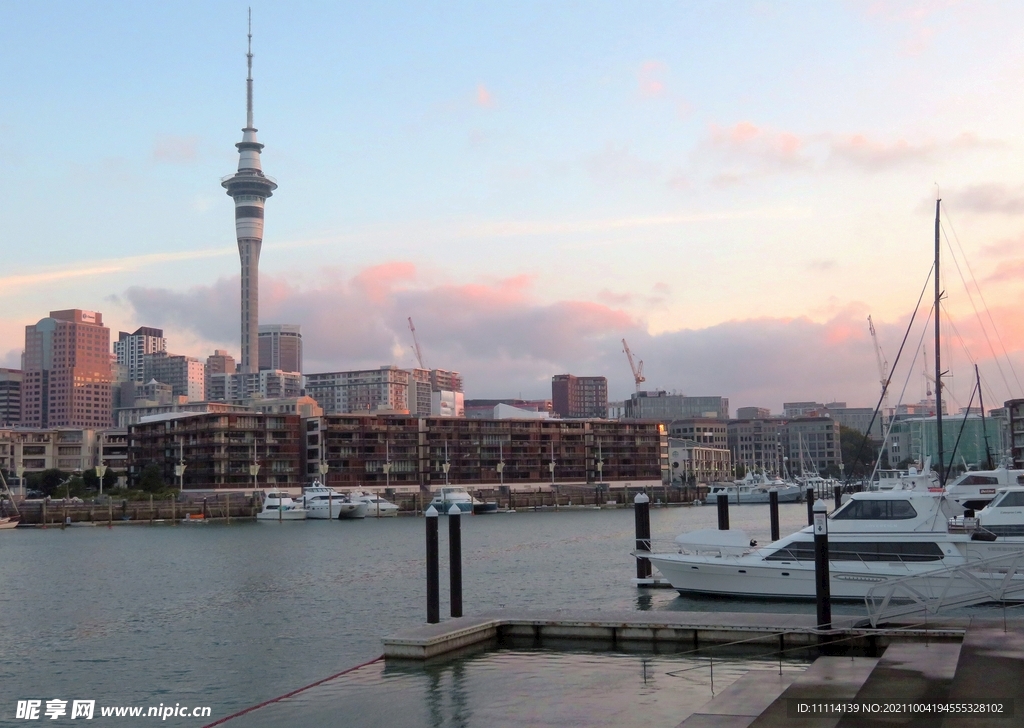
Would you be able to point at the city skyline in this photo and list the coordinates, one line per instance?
(531, 200)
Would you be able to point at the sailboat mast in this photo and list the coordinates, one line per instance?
(984, 432)
(938, 354)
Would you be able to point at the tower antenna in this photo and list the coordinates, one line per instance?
(248, 78)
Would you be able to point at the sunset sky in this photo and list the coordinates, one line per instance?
(732, 187)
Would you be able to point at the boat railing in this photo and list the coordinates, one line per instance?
(993, 579)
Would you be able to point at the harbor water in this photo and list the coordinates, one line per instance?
(231, 615)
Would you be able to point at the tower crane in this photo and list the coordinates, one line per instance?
(416, 345)
(883, 368)
(638, 368)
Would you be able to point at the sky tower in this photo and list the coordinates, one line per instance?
(249, 188)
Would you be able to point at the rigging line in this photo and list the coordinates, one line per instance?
(867, 431)
(981, 295)
(963, 423)
(906, 383)
(977, 314)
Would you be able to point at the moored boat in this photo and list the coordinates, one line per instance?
(279, 506)
(321, 502)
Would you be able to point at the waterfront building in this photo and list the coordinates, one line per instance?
(617, 410)
(812, 443)
(756, 445)
(133, 415)
(753, 413)
(185, 374)
(70, 449)
(701, 430)
(280, 347)
(579, 397)
(303, 406)
(484, 409)
(916, 438)
(66, 379)
(131, 350)
(219, 448)
(356, 447)
(693, 462)
(385, 389)
(1015, 425)
(665, 407)
(803, 409)
(858, 418)
(267, 384)
(10, 396)
(249, 188)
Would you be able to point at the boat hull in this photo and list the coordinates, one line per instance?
(287, 515)
(481, 508)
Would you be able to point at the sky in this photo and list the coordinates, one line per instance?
(732, 187)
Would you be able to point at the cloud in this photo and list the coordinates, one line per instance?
(176, 149)
(11, 360)
(990, 198)
(484, 97)
(860, 151)
(649, 79)
(764, 147)
(821, 265)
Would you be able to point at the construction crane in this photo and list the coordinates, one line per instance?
(416, 345)
(883, 368)
(638, 368)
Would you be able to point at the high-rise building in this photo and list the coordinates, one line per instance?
(10, 396)
(66, 371)
(579, 396)
(753, 413)
(185, 374)
(131, 350)
(660, 405)
(249, 188)
(219, 362)
(281, 347)
(366, 390)
(267, 384)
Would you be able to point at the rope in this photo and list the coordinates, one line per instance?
(278, 699)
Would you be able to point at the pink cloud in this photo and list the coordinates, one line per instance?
(649, 79)
(765, 146)
(176, 149)
(484, 97)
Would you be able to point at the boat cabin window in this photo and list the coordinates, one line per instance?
(875, 510)
(861, 551)
(271, 508)
(1020, 480)
(1012, 500)
(979, 480)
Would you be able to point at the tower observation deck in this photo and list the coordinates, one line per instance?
(249, 188)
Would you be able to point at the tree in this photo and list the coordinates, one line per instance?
(92, 481)
(850, 444)
(48, 482)
(151, 480)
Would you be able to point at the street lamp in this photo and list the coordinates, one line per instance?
(179, 469)
(254, 469)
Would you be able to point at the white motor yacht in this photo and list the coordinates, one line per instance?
(1004, 515)
(328, 503)
(453, 496)
(376, 507)
(279, 506)
(873, 537)
(755, 489)
(975, 488)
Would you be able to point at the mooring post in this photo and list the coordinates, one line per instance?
(837, 495)
(455, 558)
(773, 513)
(723, 511)
(642, 517)
(44, 513)
(810, 505)
(433, 587)
(822, 593)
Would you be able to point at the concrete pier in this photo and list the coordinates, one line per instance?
(669, 630)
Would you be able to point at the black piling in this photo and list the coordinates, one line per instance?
(837, 495)
(773, 512)
(455, 558)
(810, 505)
(822, 592)
(723, 511)
(642, 518)
(433, 578)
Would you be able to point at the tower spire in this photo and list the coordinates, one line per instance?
(248, 79)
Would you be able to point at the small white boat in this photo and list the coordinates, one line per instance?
(322, 502)
(376, 507)
(450, 496)
(1004, 515)
(279, 506)
(755, 489)
(7, 522)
